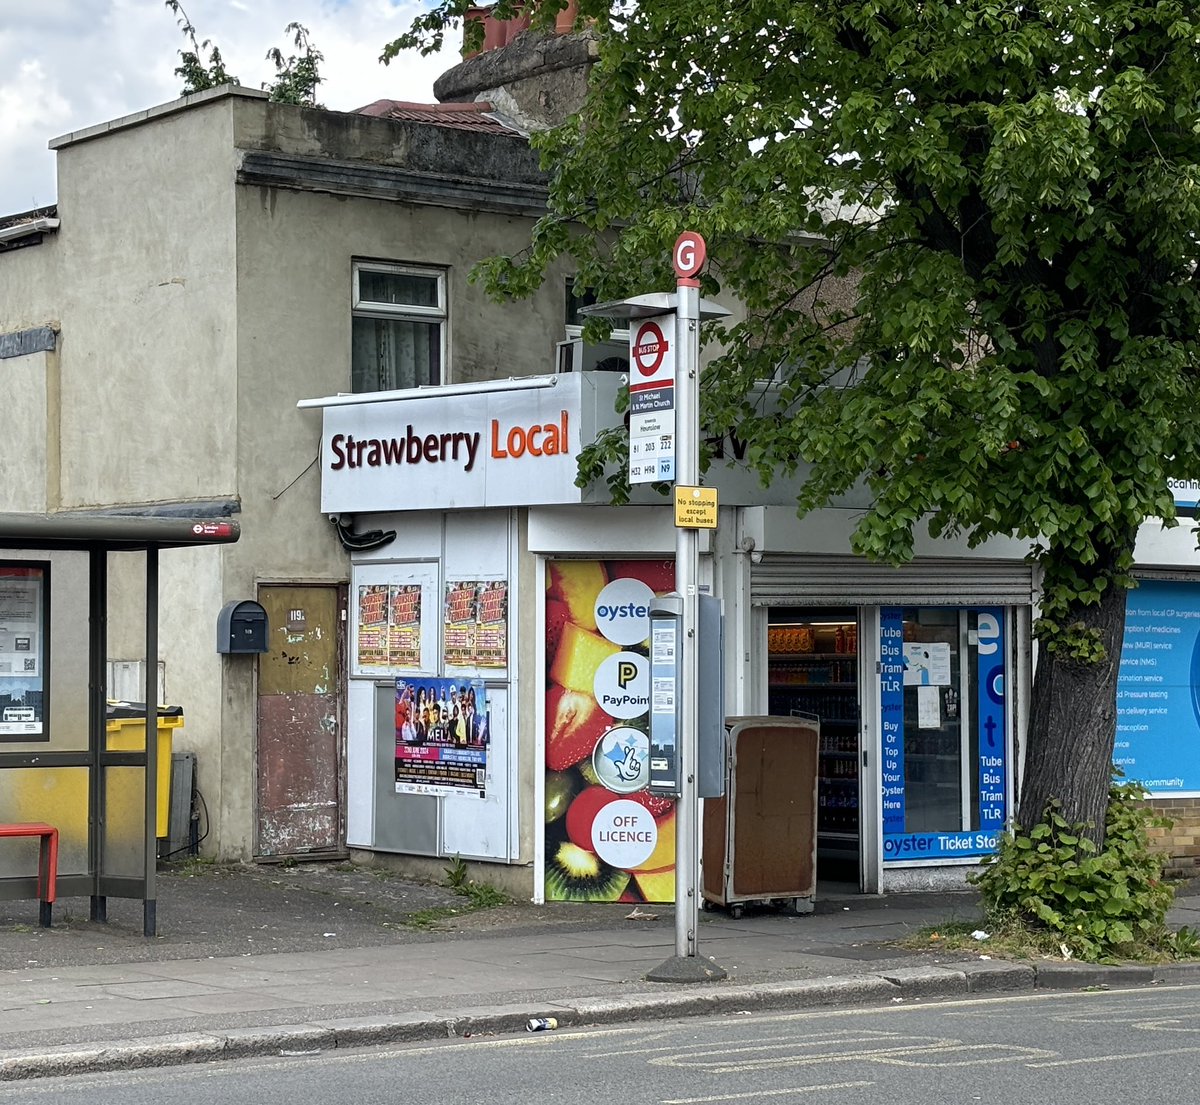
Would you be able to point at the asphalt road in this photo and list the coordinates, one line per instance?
(1130, 1047)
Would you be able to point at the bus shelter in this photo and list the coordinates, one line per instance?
(56, 764)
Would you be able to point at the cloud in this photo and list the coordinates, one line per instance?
(69, 64)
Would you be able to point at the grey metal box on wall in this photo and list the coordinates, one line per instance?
(242, 628)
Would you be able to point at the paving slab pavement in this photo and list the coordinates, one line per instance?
(255, 960)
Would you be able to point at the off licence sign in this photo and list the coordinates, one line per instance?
(695, 507)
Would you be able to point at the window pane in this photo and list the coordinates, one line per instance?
(387, 354)
(576, 298)
(405, 289)
(933, 729)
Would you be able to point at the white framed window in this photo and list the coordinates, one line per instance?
(398, 334)
(575, 355)
(577, 298)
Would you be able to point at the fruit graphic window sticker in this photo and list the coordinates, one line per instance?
(607, 837)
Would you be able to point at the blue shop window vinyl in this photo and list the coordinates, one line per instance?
(242, 628)
(901, 667)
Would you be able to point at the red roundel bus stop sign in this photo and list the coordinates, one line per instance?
(649, 348)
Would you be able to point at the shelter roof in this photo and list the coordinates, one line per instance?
(72, 530)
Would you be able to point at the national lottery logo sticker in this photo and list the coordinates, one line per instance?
(621, 760)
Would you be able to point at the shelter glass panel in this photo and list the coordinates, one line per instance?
(124, 821)
(56, 795)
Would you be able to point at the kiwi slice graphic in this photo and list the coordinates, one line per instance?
(574, 874)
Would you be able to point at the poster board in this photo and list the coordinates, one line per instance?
(394, 619)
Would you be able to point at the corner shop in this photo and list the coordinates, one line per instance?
(945, 744)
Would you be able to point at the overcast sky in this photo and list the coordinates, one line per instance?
(68, 64)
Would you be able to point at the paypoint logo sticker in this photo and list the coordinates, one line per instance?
(622, 685)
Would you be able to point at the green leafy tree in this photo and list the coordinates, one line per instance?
(965, 235)
(202, 66)
(296, 76)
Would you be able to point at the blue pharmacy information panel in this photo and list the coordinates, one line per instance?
(1158, 688)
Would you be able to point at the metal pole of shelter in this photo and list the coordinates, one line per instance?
(97, 676)
(150, 870)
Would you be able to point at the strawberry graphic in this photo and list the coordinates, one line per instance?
(655, 803)
(557, 616)
(574, 723)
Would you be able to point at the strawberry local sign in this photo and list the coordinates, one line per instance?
(421, 450)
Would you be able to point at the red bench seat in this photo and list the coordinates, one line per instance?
(47, 862)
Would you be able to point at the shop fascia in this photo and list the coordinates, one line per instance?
(502, 443)
(493, 444)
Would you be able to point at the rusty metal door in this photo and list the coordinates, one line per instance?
(300, 744)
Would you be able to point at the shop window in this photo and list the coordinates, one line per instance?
(944, 731)
(398, 335)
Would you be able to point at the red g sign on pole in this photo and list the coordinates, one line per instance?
(690, 254)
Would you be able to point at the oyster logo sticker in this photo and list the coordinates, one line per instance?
(623, 611)
(621, 759)
(622, 685)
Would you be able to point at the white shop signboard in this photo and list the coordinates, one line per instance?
(426, 451)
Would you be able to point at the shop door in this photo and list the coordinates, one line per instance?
(813, 672)
(300, 748)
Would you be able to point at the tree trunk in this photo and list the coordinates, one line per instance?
(1073, 723)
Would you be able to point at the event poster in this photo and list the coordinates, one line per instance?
(389, 626)
(22, 653)
(491, 630)
(475, 630)
(442, 736)
(1158, 688)
(404, 625)
(607, 838)
(458, 630)
(371, 645)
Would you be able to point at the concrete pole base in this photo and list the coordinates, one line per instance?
(686, 968)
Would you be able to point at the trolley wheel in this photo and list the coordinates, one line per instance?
(803, 905)
(735, 911)
(705, 905)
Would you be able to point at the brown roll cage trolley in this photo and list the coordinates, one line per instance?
(101, 535)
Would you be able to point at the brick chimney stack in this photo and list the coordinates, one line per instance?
(534, 78)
